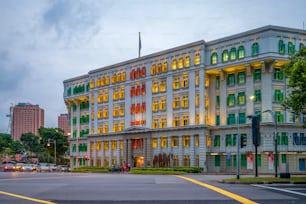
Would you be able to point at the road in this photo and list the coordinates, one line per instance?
(66, 188)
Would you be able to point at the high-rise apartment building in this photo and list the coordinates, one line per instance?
(63, 123)
(26, 118)
(189, 106)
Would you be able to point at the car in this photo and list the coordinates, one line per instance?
(18, 166)
(9, 167)
(43, 167)
(52, 167)
(62, 168)
(28, 167)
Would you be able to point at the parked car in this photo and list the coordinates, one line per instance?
(8, 167)
(29, 167)
(43, 167)
(52, 167)
(62, 168)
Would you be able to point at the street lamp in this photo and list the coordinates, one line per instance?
(275, 139)
(238, 148)
(54, 143)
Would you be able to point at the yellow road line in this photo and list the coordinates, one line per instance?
(26, 198)
(219, 190)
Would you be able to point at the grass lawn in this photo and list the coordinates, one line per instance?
(261, 180)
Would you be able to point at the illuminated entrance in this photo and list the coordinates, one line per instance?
(138, 161)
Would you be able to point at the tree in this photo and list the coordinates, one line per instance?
(5, 141)
(57, 135)
(31, 142)
(296, 73)
(16, 147)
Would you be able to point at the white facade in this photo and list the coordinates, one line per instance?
(179, 107)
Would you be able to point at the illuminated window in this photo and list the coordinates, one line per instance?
(100, 128)
(98, 82)
(174, 141)
(176, 82)
(92, 115)
(121, 126)
(185, 101)
(143, 89)
(155, 105)
(185, 81)
(163, 104)
(185, 120)
(114, 78)
(105, 127)
(121, 110)
(105, 95)
(153, 69)
(99, 114)
(121, 144)
(186, 141)
(116, 111)
(92, 99)
(197, 78)
(225, 56)
(123, 76)
(164, 142)
(116, 94)
(241, 98)
(163, 122)
(118, 76)
(155, 86)
(114, 144)
(241, 77)
(122, 92)
(214, 58)
(180, 63)
(154, 143)
(92, 84)
(241, 52)
(115, 126)
(163, 85)
(98, 145)
(196, 140)
(231, 99)
(106, 145)
(176, 121)
(103, 81)
(176, 102)
(233, 54)
(105, 112)
(187, 61)
(173, 64)
(165, 66)
(155, 123)
(159, 68)
(197, 99)
(197, 119)
(197, 58)
(100, 98)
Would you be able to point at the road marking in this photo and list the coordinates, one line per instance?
(26, 198)
(219, 190)
(279, 189)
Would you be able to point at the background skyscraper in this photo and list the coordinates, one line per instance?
(26, 118)
(63, 123)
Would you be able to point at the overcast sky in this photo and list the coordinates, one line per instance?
(44, 42)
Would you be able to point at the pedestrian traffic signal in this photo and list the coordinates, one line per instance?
(243, 141)
(256, 130)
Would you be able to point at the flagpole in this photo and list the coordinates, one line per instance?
(139, 45)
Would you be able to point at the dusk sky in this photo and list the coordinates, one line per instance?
(44, 42)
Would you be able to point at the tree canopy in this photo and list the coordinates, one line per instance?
(296, 73)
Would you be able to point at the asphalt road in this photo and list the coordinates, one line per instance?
(64, 188)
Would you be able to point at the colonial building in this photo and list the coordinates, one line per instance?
(186, 106)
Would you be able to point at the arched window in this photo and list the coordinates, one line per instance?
(233, 54)
(187, 61)
(225, 56)
(214, 58)
(281, 47)
(241, 52)
(153, 69)
(255, 49)
(197, 58)
(173, 64)
(291, 48)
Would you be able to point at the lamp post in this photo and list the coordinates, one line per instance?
(275, 140)
(54, 143)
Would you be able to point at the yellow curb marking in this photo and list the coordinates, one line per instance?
(219, 190)
(26, 198)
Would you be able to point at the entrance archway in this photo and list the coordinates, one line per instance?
(138, 161)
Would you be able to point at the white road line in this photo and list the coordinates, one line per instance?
(279, 189)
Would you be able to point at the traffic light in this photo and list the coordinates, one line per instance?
(243, 141)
